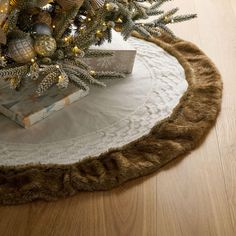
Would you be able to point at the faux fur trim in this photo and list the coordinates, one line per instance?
(169, 139)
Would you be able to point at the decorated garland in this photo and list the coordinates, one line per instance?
(47, 40)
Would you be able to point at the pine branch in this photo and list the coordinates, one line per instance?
(165, 18)
(127, 29)
(109, 75)
(63, 80)
(77, 62)
(154, 12)
(47, 82)
(83, 74)
(153, 31)
(158, 3)
(48, 69)
(164, 28)
(68, 18)
(11, 23)
(79, 83)
(140, 12)
(17, 71)
(142, 31)
(182, 18)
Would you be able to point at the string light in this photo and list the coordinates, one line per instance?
(119, 20)
(60, 78)
(107, 6)
(98, 33)
(76, 50)
(92, 72)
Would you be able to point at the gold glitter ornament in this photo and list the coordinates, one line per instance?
(42, 17)
(21, 50)
(69, 4)
(96, 4)
(45, 45)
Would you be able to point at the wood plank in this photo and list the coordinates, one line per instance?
(192, 196)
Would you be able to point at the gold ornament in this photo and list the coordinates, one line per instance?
(42, 17)
(29, 3)
(21, 50)
(69, 4)
(4, 7)
(96, 4)
(45, 45)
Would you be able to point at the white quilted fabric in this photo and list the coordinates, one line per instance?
(107, 118)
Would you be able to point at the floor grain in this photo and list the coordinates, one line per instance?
(192, 196)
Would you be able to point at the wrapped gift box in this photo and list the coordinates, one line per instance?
(122, 60)
(26, 109)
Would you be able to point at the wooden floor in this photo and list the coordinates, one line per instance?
(195, 196)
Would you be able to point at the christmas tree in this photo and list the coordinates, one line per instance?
(47, 40)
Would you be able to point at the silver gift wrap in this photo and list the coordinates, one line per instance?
(122, 60)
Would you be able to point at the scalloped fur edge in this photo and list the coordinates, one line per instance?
(174, 136)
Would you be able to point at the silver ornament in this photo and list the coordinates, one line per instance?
(21, 50)
(41, 29)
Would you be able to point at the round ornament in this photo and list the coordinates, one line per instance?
(68, 4)
(42, 17)
(41, 29)
(21, 50)
(25, 18)
(4, 7)
(45, 45)
(29, 3)
(96, 4)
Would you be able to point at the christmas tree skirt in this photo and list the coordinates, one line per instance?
(128, 130)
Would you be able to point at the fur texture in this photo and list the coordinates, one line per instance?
(169, 139)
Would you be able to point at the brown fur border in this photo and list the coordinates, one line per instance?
(169, 139)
